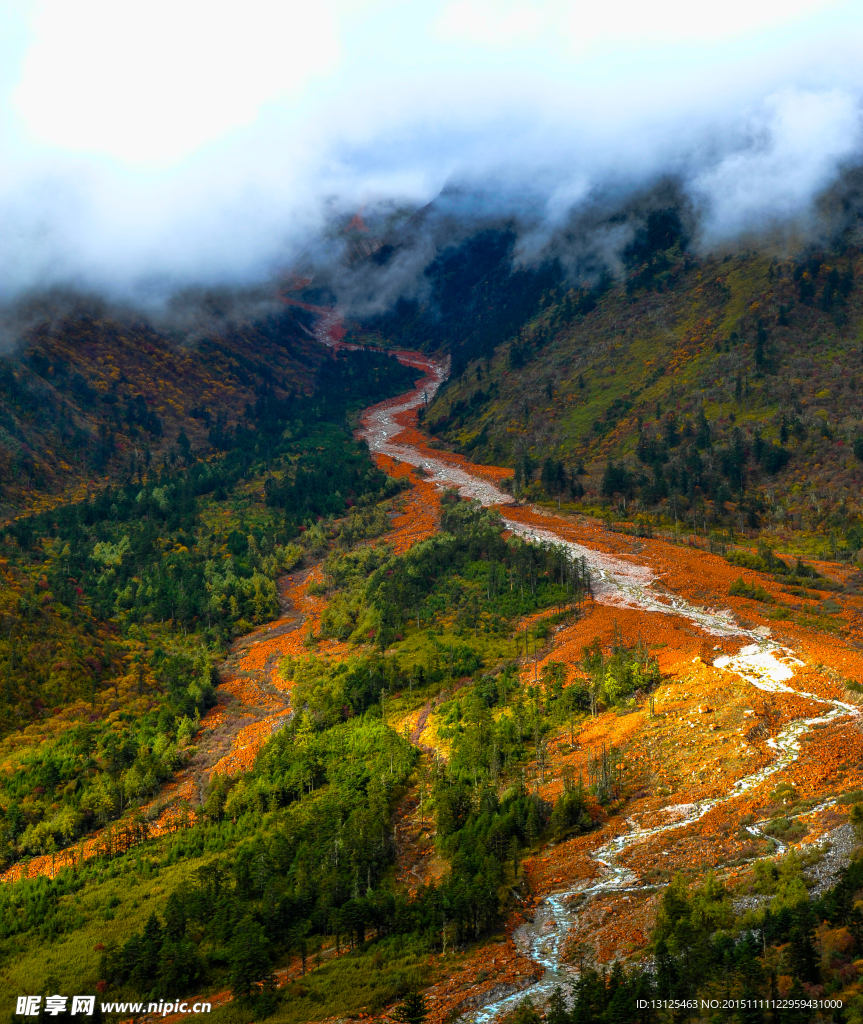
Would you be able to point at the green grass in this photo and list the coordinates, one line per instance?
(365, 980)
(819, 623)
(69, 964)
(740, 588)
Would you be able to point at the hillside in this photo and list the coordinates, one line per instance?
(290, 727)
(718, 393)
(122, 585)
(91, 395)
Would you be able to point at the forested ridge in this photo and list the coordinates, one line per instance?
(714, 393)
(91, 394)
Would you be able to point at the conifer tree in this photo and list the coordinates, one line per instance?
(412, 1010)
(249, 957)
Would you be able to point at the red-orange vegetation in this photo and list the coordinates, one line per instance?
(248, 742)
(614, 925)
(468, 980)
(419, 517)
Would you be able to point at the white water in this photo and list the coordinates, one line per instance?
(620, 582)
(616, 581)
(379, 427)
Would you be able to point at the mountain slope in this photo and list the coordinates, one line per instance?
(118, 596)
(723, 391)
(94, 395)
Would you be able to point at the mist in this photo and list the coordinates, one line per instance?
(210, 147)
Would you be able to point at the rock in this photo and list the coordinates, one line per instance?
(749, 903)
(842, 842)
(492, 995)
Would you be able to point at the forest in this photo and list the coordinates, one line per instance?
(296, 855)
(326, 783)
(743, 416)
(135, 591)
(91, 393)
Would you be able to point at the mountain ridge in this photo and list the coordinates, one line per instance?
(767, 353)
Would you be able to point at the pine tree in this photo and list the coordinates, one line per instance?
(532, 827)
(147, 966)
(526, 1013)
(412, 1011)
(513, 852)
(804, 956)
(249, 958)
(556, 1012)
(800, 1015)
(666, 971)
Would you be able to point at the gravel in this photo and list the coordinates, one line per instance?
(825, 873)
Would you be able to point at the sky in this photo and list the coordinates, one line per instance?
(145, 147)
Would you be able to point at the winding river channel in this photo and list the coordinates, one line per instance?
(762, 663)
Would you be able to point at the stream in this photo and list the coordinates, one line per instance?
(616, 581)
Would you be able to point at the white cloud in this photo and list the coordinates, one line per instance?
(151, 82)
(184, 140)
(791, 149)
(577, 25)
(494, 24)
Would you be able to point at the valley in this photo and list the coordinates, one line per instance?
(649, 590)
(461, 736)
(745, 751)
(431, 514)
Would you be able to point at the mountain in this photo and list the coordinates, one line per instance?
(92, 393)
(289, 728)
(720, 392)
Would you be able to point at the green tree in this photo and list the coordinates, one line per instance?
(514, 851)
(557, 1012)
(526, 1013)
(249, 957)
(412, 1010)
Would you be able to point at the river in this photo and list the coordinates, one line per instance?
(621, 582)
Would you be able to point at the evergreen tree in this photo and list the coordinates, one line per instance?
(412, 1010)
(526, 1013)
(249, 959)
(803, 955)
(666, 971)
(556, 1012)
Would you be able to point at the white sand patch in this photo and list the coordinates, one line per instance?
(617, 581)
(765, 666)
(679, 812)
